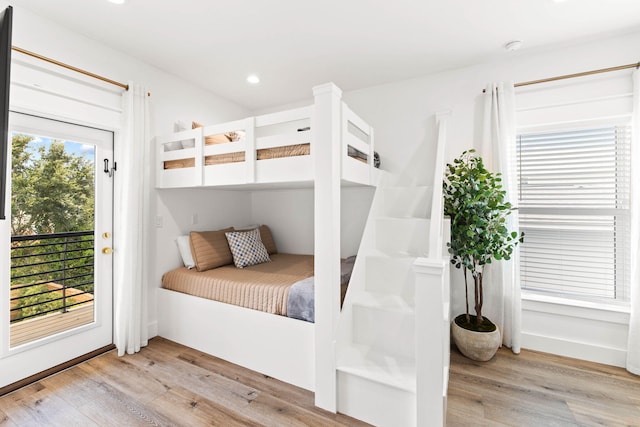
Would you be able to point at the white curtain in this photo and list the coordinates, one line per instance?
(502, 301)
(131, 223)
(633, 346)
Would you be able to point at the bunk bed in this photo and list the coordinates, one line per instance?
(324, 146)
(267, 149)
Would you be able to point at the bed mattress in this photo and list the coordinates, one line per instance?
(262, 154)
(263, 287)
(180, 163)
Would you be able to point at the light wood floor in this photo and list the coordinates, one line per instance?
(539, 389)
(167, 384)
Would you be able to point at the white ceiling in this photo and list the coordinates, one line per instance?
(296, 44)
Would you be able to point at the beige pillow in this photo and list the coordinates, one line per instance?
(210, 249)
(220, 138)
(267, 240)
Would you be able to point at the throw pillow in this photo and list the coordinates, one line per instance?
(265, 236)
(247, 248)
(210, 249)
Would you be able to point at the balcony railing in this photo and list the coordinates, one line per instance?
(51, 273)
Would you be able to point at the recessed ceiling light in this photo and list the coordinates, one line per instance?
(253, 79)
(513, 45)
(117, 1)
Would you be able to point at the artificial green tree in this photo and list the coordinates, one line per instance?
(475, 201)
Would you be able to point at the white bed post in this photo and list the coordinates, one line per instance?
(250, 150)
(432, 300)
(432, 343)
(326, 143)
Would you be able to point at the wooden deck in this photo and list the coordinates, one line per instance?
(38, 327)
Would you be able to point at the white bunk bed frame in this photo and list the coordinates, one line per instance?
(291, 350)
(274, 130)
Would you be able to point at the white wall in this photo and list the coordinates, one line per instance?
(289, 214)
(402, 114)
(182, 210)
(171, 99)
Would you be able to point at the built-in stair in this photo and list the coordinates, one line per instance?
(378, 336)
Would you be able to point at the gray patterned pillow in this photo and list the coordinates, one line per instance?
(247, 248)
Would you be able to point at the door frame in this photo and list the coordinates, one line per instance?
(76, 342)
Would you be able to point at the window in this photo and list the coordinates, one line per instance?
(574, 210)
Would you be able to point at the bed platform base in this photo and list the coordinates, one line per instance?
(273, 345)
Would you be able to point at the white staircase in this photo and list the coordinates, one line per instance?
(383, 330)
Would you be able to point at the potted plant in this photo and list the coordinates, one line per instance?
(475, 201)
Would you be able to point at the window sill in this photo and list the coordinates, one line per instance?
(613, 312)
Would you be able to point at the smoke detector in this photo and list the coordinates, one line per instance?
(513, 45)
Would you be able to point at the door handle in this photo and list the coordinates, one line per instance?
(109, 171)
(107, 251)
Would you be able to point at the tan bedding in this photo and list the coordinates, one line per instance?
(286, 151)
(263, 287)
(262, 154)
(220, 159)
(180, 163)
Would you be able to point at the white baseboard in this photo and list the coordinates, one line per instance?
(152, 329)
(574, 349)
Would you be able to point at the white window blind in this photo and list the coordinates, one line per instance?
(573, 203)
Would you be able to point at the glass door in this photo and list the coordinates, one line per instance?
(58, 295)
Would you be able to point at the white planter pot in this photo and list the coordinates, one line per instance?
(480, 346)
